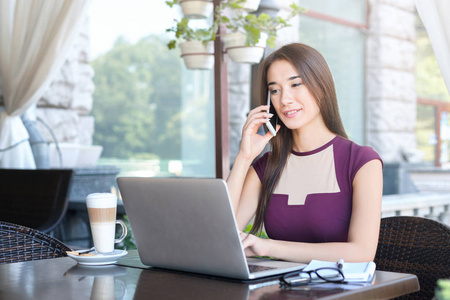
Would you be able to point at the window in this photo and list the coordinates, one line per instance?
(432, 131)
(336, 29)
(426, 131)
(153, 116)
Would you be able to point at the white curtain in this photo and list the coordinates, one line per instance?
(435, 15)
(35, 39)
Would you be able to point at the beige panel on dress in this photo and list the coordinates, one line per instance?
(310, 174)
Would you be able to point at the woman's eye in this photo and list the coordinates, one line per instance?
(273, 92)
(297, 84)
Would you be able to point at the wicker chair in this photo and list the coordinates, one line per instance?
(417, 246)
(19, 243)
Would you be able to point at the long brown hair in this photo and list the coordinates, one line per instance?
(316, 76)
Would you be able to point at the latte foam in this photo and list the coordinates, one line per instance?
(101, 200)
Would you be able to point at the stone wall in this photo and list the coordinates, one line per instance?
(238, 102)
(390, 79)
(66, 105)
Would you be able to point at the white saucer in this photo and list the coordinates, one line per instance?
(99, 259)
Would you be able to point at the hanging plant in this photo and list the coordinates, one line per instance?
(196, 45)
(246, 38)
(250, 30)
(253, 25)
(237, 51)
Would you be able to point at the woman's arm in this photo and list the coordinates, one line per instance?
(252, 144)
(249, 199)
(363, 231)
(236, 179)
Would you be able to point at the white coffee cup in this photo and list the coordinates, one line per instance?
(102, 209)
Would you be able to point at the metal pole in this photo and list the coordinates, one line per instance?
(222, 130)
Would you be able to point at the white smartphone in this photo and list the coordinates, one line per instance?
(272, 124)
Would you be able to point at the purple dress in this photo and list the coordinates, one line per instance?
(313, 199)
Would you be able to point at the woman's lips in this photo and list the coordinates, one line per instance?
(291, 113)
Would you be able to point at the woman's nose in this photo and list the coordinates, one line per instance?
(286, 98)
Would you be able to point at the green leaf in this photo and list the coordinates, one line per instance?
(171, 3)
(253, 35)
(172, 44)
(271, 40)
(183, 32)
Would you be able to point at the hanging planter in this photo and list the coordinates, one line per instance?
(251, 5)
(197, 55)
(249, 33)
(239, 52)
(196, 45)
(245, 42)
(196, 9)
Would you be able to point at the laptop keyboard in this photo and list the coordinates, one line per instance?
(258, 268)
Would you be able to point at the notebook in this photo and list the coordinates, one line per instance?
(353, 272)
(188, 225)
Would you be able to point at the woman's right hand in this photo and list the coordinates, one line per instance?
(252, 143)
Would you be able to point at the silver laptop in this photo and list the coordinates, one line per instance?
(188, 225)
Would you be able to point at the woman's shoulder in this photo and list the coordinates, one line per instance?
(354, 148)
(355, 155)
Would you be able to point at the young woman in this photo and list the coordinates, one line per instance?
(317, 194)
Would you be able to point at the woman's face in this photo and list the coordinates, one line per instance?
(295, 105)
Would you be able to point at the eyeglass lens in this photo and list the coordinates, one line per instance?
(330, 274)
(302, 277)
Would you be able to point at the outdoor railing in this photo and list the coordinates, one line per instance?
(423, 204)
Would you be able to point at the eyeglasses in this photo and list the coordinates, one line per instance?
(305, 277)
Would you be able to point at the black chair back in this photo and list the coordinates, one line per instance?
(34, 198)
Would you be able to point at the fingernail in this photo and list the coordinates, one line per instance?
(270, 115)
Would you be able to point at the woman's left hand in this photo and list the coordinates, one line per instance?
(253, 245)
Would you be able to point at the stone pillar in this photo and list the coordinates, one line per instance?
(66, 105)
(238, 102)
(390, 79)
